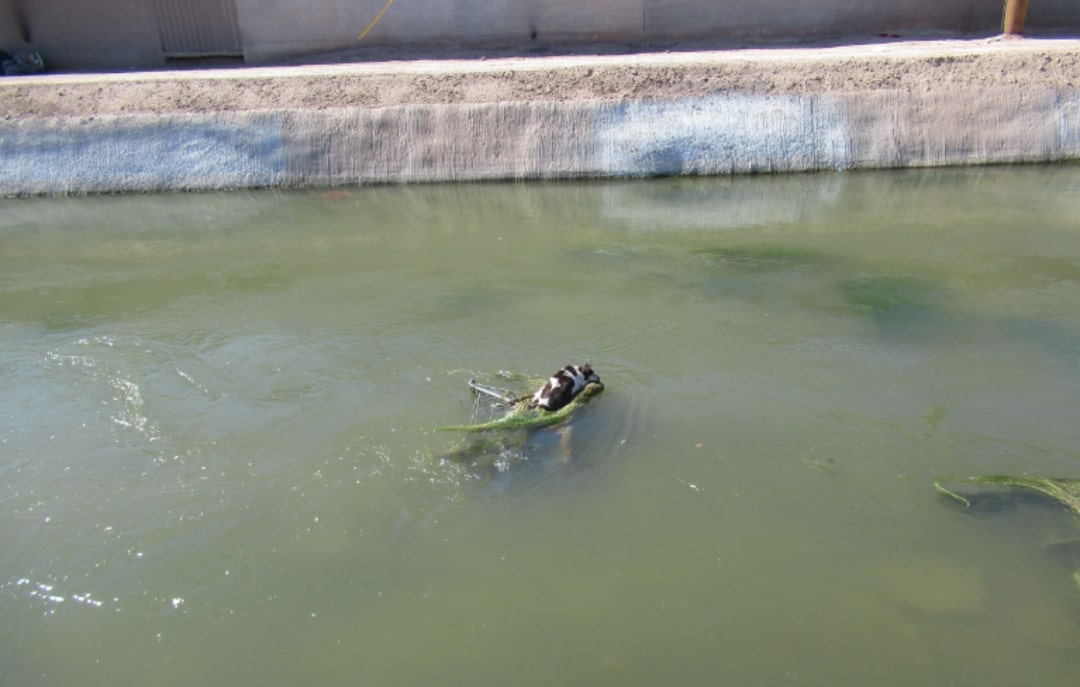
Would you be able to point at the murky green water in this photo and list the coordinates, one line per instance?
(218, 462)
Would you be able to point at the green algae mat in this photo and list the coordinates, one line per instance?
(498, 432)
(520, 416)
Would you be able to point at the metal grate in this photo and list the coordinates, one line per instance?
(198, 28)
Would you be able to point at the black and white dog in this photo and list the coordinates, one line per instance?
(563, 386)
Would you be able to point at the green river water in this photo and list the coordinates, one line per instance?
(219, 462)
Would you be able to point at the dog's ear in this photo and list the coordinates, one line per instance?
(586, 369)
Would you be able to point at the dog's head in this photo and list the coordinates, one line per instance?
(588, 374)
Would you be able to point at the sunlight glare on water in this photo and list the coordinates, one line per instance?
(221, 461)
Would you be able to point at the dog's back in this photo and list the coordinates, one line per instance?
(563, 386)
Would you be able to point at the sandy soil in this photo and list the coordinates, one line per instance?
(383, 79)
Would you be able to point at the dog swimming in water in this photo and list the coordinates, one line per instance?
(563, 387)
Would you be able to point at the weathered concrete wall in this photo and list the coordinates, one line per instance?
(76, 34)
(272, 30)
(718, 135)
(955, 118)
(779, 19)
(142, 153)
(108, 34)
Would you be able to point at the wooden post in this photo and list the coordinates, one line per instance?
(1012, 24)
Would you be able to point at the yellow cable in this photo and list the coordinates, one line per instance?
(375, 20)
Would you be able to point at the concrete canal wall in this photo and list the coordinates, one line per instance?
(728, 112)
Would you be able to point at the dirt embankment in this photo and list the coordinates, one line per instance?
(911, 66)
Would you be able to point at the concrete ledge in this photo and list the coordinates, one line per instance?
(982, 105)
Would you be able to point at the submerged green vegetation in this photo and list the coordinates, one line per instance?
(897, 303)
(764, 257)
(894, 302)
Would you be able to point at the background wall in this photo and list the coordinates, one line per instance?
(119, 34)
(272, 30)
(69, 34)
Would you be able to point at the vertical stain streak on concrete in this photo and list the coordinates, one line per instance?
(1068, 108)
(412, 143)
(960, 126)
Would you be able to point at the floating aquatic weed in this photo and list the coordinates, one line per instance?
(994, 492)
(971, 490)
(520, 416)
(935, 416)
(497, 437)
